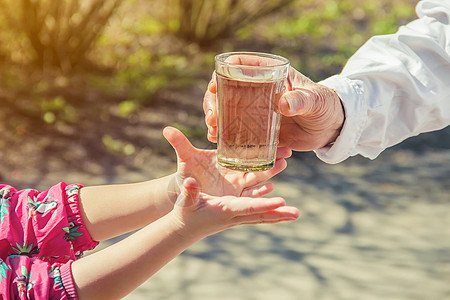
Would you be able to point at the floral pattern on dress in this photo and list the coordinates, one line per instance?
(24, 285)
(55, 274)
(4, 268)
(41, 207)
(5, 199)
(25, 249)
(34, 259)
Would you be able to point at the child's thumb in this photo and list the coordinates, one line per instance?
(190, 192)
(179, 142)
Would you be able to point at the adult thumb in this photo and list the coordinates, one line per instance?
(189, 194)
(298, 102)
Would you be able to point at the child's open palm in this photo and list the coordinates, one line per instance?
(199, 215)
(215, 180)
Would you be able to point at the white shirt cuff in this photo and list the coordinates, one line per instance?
(351, 94)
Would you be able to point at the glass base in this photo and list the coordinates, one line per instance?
(249, 167)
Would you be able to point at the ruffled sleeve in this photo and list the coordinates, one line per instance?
(22, 277)
(41, 234)
(46, 225)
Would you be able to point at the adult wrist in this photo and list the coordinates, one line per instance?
(340, 119)
(354, 108)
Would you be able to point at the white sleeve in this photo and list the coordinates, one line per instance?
(395, 86)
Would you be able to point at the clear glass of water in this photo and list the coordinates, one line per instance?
(249, 87)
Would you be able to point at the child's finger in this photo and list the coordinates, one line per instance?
(179, 142)
(255, 178)
(189, 194)
(258, 191)
(284, 213)
(284, 152)
(242, 206)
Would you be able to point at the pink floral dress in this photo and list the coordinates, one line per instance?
(41, 234)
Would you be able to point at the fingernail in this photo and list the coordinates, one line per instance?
(291, 103)
(208, 114)
(209, 85)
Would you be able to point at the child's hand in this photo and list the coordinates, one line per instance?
(215, 180)
(198, 215)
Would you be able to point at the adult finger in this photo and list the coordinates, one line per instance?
(252, 60)
(209, 100)
(210, 108)
(212, 134)
(212, 84)
(299, 102)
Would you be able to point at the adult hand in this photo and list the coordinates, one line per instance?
(312, 114)
(199, 215)
(215, 180)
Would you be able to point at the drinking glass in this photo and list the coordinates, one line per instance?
(249, 87)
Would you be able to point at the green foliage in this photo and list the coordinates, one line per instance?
(391, 18)
(319, 36)
(117, 146)
(206, 21)
(58, 33)
(189, 132)
(150, 26)
(56, 108)
(127, 107)
(143, 74)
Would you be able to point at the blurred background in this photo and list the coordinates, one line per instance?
(86, 88)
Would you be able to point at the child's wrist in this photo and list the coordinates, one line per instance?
(182, 230)
(174, 187)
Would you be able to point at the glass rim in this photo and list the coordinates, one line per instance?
(220, 59)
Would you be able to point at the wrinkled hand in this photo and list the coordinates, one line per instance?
(312, 114)
(199, 215)
(215, 180)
